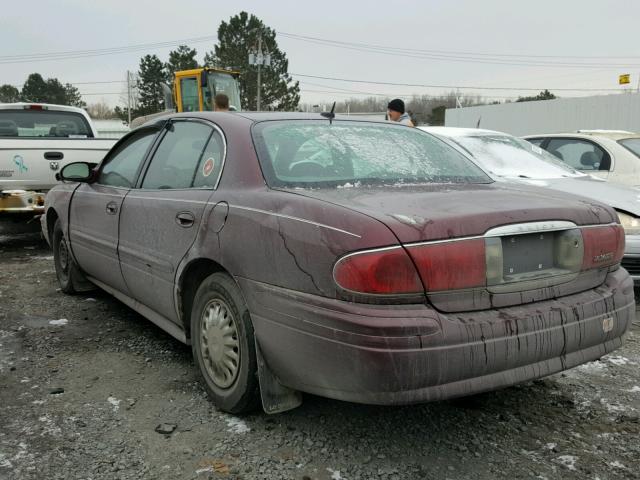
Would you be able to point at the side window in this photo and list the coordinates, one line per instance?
(177, 157)
(580, 154)
(210, 165)
(189, 93)
(121, 169)
(536, 141)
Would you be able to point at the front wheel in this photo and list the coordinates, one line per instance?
(223, 344)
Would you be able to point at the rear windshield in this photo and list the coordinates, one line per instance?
(507, 156)
(631, 144)
(43, 123)
(313, 153)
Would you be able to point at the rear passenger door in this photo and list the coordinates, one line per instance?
(581, 154)
(160, 219)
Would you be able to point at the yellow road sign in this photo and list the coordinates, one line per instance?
(624, 79)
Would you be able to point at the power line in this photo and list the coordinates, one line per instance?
(458, 87)
(471, 57)
(73, 54)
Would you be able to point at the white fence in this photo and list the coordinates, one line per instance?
(608, 112)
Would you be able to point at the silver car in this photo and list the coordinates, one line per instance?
(505, 157)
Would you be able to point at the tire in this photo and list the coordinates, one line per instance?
(223, 345)
(69, 275)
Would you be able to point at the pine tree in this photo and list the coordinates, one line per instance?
(183, 58)
(151, 76)
(9, 94)
(235, 40)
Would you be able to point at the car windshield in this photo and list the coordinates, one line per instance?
(631, 144)
(313, 153)
(43, 123)
(507, 156)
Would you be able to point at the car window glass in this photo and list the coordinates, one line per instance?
(189, 90)
(536, 141)
(179, 153)
(580, 154)
(507, 156)
(631, 144)
(312, 154)
(210, 165)
(121, 169)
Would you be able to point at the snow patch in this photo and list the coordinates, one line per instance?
(591, 367)
(617, 464)
(619, 360)
(237, 425)
(568, 461)
(62, 321)
(550, 446)
(335, 474)
(634, 389)
(115, 402)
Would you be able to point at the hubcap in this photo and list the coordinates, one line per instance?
(219, 343)
(63, 255)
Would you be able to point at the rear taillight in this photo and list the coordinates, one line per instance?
(386, 271)
(474, 262)
(35, 107)
(451, 265)
(603, 246)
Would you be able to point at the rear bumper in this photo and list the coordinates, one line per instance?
(411, 353)
(20, 202)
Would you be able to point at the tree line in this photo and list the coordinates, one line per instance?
(38, 90)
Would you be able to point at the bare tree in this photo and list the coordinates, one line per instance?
(101, 111)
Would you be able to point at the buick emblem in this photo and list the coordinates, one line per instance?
(53, 165)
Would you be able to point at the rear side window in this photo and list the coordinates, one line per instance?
(178, 156)
(631, 144)
(536, 141)
(121, 168)
(43, 123)
(580, 154)
(210, 166)
(316, 153)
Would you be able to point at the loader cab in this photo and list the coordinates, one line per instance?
(194, 90)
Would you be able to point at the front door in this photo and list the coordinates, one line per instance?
(160, 220)
(95, 209)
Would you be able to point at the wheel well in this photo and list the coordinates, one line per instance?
(52, 216)
(191, 278)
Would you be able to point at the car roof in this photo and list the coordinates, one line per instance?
(461, 132)
(267, 116)
(47, 106)
(611, 134)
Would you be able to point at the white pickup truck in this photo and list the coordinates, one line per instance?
(36, 141)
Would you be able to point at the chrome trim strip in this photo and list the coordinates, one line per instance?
(530, 227)
(136, 197)
(289, 217)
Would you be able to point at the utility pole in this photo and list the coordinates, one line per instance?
(129, 96)
(260, 60)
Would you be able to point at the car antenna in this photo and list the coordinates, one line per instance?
(330, 115)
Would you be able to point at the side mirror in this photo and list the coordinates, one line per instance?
(76, 172)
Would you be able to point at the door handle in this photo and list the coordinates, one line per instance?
(53, 155)
(112, 208)
(185, 219)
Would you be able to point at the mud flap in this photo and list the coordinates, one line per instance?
(276, 398)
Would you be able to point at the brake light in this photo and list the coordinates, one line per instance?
(385, 271)
(35, 107)
(603, 246)
(451, 265)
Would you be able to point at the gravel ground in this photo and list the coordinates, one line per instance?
(91, 390)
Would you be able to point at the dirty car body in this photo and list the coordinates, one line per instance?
(377, 263)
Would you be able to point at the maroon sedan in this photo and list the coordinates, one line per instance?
(356, 260)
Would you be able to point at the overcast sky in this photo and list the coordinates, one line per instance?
(525, 30)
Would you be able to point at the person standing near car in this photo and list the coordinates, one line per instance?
(396, 112)
(221, 103)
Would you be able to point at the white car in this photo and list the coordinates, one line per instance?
(613, 155)
(36, 141)
(508, 158)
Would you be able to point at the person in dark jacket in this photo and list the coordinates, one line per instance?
(396, 112)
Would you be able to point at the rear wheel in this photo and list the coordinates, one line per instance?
(69, 275)
(223, 344)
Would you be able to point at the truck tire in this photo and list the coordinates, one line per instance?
(223, 345)
(70, 277)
